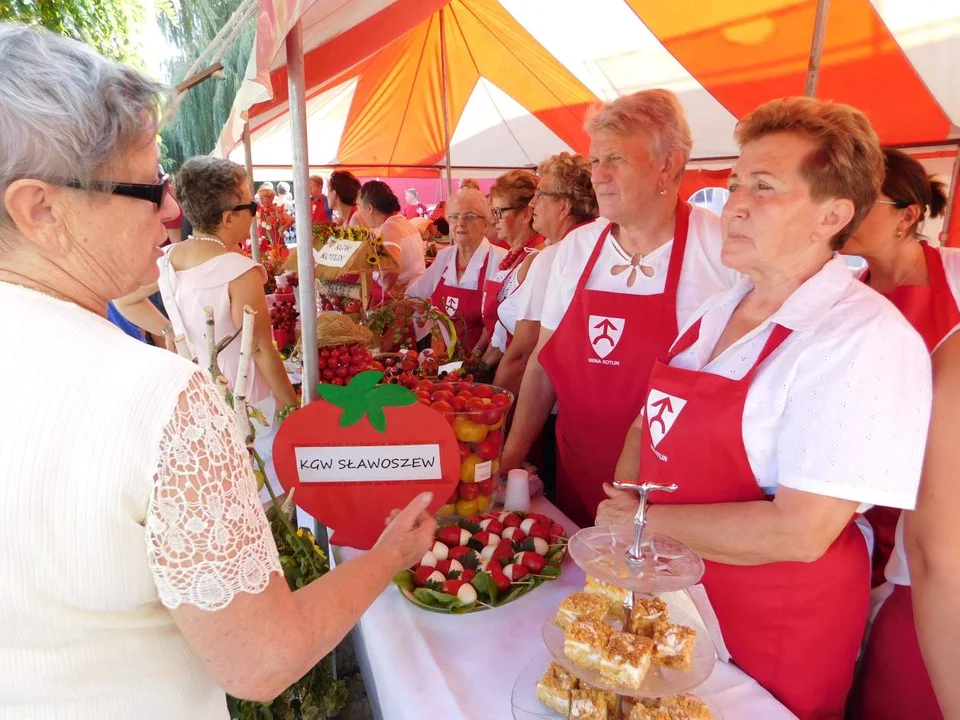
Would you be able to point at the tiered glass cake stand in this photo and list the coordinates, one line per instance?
(646, 564)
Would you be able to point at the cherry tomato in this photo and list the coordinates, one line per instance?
(444, 395)
(483, 391)
(487, 487)
(491, 415)
(469, 491)
(377, 365)
(338, 381)
(447, 387)
(321, 363)
(421, 395)
(465, 451)
(340, 372)
(465, 395)
(426, 385)
(459, 404)
(501, 399)
(442, 406)
(489, 448)
(324, 353)
(475, 405)
(328, 374)
(465, 387)
(425, 402)
(408, 366)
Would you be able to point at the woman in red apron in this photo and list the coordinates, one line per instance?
(788, 575)
(618, 305)
(893, 680)
(455, 280)
(510, 198)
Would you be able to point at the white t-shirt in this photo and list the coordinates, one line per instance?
(897, 571)
(842, 407)
(411, 249)
(703, 274)
(508, 302)
(445, 267)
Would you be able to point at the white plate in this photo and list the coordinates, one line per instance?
(659, 681)
(670, 565)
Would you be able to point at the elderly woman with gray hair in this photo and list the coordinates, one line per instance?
(619, 289)
(140, 578)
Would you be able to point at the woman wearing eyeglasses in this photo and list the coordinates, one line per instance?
(208, 271)
(510, 199)
(619, 290)
(455, 280)
(140, 578)
(564, 200)
(924, 283)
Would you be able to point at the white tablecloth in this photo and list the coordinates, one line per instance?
(419, 665)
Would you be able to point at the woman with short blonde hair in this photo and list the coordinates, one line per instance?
(619, 290)
(788, 402)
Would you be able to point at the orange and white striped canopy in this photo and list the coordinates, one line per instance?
(521, 73)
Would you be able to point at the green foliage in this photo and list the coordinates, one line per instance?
(110, 26)
(204, 110)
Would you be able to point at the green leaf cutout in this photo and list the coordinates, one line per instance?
(376, 417)
(363, 397)
(393, 395)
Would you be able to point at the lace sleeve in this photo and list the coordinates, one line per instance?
(207, 535)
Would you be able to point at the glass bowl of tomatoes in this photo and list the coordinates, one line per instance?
(477, 412)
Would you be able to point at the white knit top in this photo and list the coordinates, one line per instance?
(124, 488)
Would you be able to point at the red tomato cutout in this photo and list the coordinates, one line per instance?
(356, 510)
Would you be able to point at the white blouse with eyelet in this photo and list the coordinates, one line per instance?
(842, 407)
(125, 491)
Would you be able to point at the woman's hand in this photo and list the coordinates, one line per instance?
(409, 533)
(619, 509)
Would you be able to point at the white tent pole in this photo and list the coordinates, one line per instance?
(443, 99)
(951, 198)
(248, 162)
(816, 48)
(301, 173)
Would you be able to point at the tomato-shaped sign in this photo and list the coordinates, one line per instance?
(362, 451)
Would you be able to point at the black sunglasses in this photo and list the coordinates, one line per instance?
(153, 192)
(251, 206)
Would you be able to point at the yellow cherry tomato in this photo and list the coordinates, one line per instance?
(499, 424)
(494, 467)
(483, 502)
(468, 431)
(468, 468)
(466, 508)
(446, 510)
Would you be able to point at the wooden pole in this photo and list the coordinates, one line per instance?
(816, 48)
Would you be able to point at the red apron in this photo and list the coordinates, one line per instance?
(464, 305)
(893, 683)
(599, 360)
(491, 288)
(893, 680)
(932, 310)
(794, 627)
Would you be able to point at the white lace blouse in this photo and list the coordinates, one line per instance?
(124, 491)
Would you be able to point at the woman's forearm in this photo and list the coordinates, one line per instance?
(628, 466)
(144, 315)
(275, 374)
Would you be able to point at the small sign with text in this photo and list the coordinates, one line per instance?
(368, 463)
(338, 253)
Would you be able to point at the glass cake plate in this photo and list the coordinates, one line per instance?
(524, 698)
(659, 681)
(668, 564)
